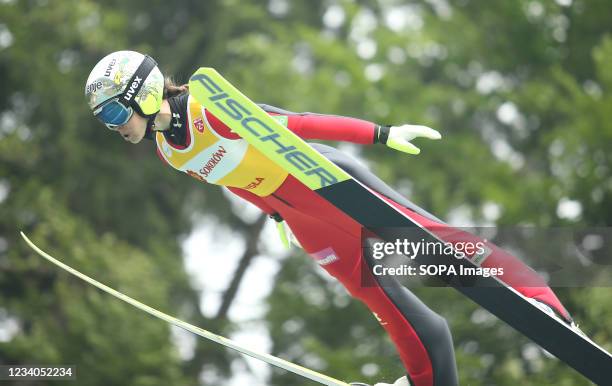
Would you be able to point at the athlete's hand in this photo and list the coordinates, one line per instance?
(400, 137)
(286, 235)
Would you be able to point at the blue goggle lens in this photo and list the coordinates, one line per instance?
(114, 114)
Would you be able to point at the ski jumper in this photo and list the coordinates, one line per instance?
(200, 145)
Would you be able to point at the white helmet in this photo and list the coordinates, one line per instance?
(128, 77)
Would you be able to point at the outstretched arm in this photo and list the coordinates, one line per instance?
(338, 128)
(327, 127)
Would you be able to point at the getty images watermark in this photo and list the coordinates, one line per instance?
(476, 251)
(523, 256)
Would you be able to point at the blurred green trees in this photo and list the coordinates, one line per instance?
(520, 91)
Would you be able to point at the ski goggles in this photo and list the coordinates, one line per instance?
(113, 113)
(117, 111)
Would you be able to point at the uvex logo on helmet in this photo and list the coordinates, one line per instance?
(110, 67)
(132, 89)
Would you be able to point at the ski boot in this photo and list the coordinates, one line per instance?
(549, 310)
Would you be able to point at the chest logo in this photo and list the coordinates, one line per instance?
(199, 125)
(213, 161)
(167, 150)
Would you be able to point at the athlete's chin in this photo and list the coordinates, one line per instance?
(136, 139)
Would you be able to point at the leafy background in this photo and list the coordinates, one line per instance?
(521, 91)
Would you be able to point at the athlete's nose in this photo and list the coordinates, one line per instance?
(122, 130)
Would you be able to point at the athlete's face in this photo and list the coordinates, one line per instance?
(134, 130)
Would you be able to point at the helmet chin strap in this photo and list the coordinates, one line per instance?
(150, 126)
(150, 121)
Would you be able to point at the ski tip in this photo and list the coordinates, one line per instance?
(27, 240)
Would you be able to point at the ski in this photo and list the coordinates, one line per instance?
(270, 359)
(332, 183)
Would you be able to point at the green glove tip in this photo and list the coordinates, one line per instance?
(404, 147)
(282, 234)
